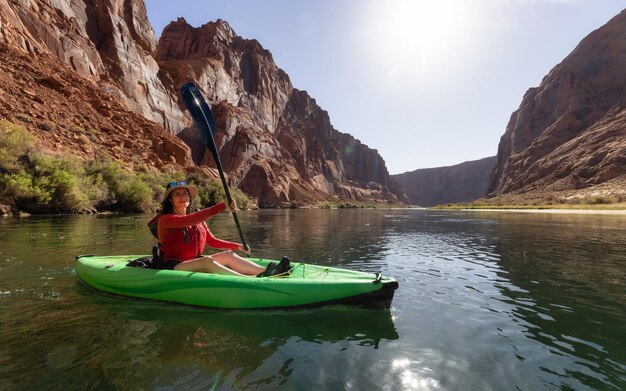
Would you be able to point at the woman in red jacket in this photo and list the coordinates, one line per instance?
(182, 237)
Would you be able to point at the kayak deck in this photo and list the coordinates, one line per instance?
(306, 285)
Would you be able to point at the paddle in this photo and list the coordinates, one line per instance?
(203, 118)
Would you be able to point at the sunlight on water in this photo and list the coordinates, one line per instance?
(411, 379)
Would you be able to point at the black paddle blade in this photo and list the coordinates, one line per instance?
(201, 114)
(202, 117)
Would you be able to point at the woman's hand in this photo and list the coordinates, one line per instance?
(232, 207)
(243, 249)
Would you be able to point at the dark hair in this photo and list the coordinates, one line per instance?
(167, 207)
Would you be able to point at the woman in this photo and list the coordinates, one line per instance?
(182, 237)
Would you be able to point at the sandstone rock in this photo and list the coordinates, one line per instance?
(275, 142)
(177, 150)
(53, 82)
(442, 185)
(5, 210)
(570, 132)
(115, 135)
(110, 41)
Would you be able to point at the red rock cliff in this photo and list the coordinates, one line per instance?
(110, 41)
(570, 132)
(275, 141)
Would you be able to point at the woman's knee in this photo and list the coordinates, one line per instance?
(208, 264)
(223, 258)
(204, 264)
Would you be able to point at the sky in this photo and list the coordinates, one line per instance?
(426, 83)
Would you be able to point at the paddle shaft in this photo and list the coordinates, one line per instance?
(203, 118)
(229, 199)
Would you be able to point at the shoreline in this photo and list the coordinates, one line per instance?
(618, 212)
(551, 211)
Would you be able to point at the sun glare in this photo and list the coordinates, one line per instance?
(419, 37)
(419, 378)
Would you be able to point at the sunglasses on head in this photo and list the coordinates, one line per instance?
(172, 184)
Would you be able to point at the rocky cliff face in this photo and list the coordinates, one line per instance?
(71, 115)
(570, 132)
(276, 143)
(441, 185)
(108, 41)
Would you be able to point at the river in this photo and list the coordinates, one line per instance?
(487, 301)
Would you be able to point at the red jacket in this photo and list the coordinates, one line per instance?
(183, 237)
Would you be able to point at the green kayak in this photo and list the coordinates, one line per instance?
(306, 286)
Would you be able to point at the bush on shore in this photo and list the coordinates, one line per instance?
(211, 192)
(44, 183)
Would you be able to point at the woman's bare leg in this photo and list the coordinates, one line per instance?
(241, 265)
(207, 265)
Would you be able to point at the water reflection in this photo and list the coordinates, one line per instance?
(328, 237)
(569, 293)
(122, 344)
(539, 293)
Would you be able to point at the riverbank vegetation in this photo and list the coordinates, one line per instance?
(358, 205)
(598, 201)
(39, 182)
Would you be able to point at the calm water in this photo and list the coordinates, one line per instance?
(487, 301)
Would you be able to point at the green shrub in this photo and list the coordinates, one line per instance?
(24, 118)
(211, 192)
(47, 184)
(574, 200)
(603, 199)
(243, 202)
(104, 172)
(56, 183)
(125, 190)
(134, 195)
(40, 183)
(17, 185)
(157, 181)
(37, 182)
(15, 143)
(95, 189)
(47, 126)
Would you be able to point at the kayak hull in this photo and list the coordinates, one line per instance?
(306, 286)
